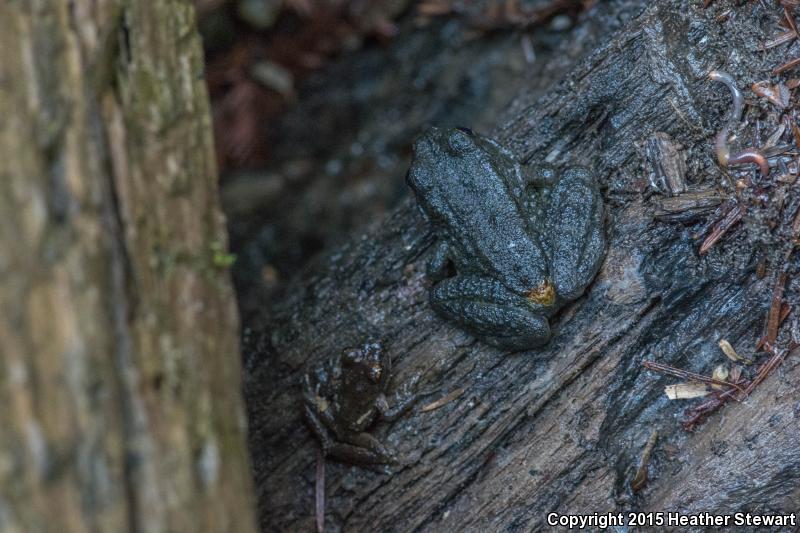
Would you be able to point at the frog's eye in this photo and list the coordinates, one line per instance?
(465, 130)
(460, 141)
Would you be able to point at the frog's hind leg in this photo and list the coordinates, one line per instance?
(497, 315)
(364, 450)
(319, 428)
(574, 225)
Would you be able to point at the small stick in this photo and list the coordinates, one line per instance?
(715, 217)
(778, 310)
(774, 316)
(319, 499)
(698, 414)
(790, 19)
(763, 372)
(786, 66)
(721, 228)
(640, 479)
(784, 37)
(795, 132)
(685, 374)
(785, 310)
(444, 400)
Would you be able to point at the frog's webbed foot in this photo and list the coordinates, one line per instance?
(576, 238)
(495, 314)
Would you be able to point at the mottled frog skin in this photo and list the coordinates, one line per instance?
(515, 243)
(345, 395)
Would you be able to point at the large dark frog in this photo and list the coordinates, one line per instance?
(345, 395)
(522, 241)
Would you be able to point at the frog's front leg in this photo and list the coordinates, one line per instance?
(575, 234)
(497, 315)
(403, 400)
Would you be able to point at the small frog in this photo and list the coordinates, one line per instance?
(522, 241)
(345, 395)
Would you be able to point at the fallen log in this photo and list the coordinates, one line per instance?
(560, 429)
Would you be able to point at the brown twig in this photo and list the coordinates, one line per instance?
(444, 400)
(721, 228)
(790, 20)
(785, 310)
(764, 371)
(774, 315)
(685, 374)
(786, 66)
(640, 479)
(784, 37)
(319, 498)
(714, 217)
(778, 310)
(795, 132)
(696, 415)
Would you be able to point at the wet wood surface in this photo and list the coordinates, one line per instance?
(560, 429)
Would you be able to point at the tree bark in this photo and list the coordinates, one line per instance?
(560, 429)
(119, 366)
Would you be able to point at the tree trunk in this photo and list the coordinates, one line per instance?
(559, 429)
(119, 366)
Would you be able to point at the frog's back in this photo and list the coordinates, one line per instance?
(470, 188)
(487, 225)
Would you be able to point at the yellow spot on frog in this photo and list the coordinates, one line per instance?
(544, 294)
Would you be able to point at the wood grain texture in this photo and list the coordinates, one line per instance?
(559, 429)
(119, 368)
